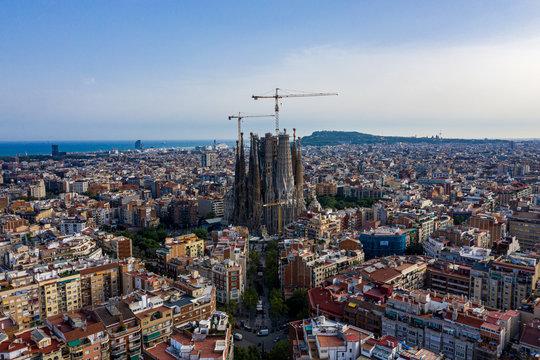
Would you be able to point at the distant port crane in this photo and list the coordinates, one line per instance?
(278, 96)
(239, 117)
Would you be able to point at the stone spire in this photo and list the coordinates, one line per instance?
(254, 204)
(240, 196)
(285, 179)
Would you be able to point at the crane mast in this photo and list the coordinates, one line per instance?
(278, 96)
(239, 117)
(278, 204)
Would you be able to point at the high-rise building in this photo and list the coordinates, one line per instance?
(139, 145)
(208, 159)
(525, 225)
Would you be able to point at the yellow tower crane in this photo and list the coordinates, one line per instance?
(278, 96)
(240, 117)
(278, 204)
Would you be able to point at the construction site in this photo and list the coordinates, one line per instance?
(268, 190)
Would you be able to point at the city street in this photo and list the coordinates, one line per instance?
(257, 321)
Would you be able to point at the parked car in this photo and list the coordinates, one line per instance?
(276, 339)
(238, 337)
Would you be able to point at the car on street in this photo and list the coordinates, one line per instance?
(276, 339)
(263, 332)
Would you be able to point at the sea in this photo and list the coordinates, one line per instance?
(20, 148)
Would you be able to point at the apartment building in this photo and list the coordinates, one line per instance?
(72, 225)
(34, 344)
(121, 247)
(86, 338)
(504, 282)
(451, 325)
(123, 329)
(156, 325)
(20, 301)
(401, 272)
(525, 225)
(187, 245)
(59, 292)
(228, 279)
(494, 224)
(211, 204)
(321, 338)
(207, 339)
(449, 278)
(326, 188)
(189, 308)
(306, 269)
(529, 342)
(100, 283)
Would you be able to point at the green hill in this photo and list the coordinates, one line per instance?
(322, 138)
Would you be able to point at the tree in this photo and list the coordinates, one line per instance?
(250, 298)
(210, 215)
(298, 304)
(277, 305)
(246, 353)
(146, 241)
(414, 248)
(280, 351)
(232, 307)
(459, 219)
(272, 278)
(255, 258)
(201, 234)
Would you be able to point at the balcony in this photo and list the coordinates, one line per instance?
(118, 342)
(152, 336)
(119, 357)
(118, 351)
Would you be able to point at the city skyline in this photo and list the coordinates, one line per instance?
(176, 71)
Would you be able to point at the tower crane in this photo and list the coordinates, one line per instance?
(278, 96)
(240, 117)
(278, 204)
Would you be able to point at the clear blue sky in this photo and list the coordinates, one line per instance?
(177, 69)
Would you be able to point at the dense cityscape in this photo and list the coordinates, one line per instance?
(379, 251)
(269, 180)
